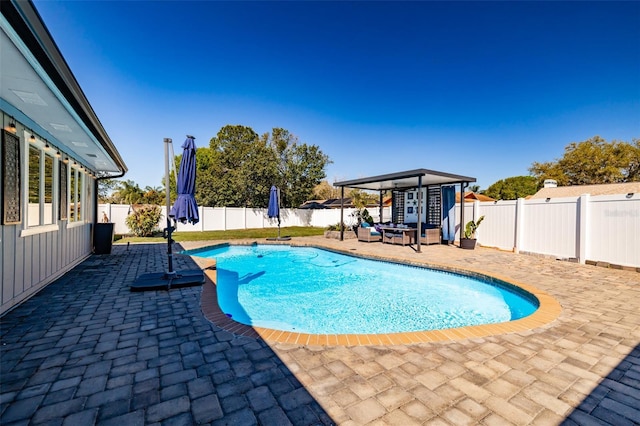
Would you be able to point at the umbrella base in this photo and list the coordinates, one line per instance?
(166, 281)
(279, 239)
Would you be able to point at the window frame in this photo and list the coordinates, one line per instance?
(40, 227)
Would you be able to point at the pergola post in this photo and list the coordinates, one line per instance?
(381, 207)
(419, 224)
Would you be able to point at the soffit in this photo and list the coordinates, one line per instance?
(29, 94)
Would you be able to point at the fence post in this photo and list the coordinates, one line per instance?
(244, 216)
(583, 221)
(224, 218)
(519, 231)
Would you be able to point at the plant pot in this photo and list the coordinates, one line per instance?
(468, 243)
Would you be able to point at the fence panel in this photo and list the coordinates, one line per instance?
(614, 230)
(498, 228)
(550, 227)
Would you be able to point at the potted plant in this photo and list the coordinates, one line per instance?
(469, 240)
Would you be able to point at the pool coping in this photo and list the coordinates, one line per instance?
(549, 309)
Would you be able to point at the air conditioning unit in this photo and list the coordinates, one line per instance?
(550, 183)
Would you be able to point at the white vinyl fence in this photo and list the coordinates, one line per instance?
(225, 218)
(602, 228)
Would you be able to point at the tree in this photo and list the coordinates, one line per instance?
(300, 167)
(105, 189)
(128, 192)
(474, 188)
(594, 161)
(513, 188)
(153, 195)
(243, 167)
(324, 191)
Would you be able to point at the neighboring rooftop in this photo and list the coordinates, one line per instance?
(578, 190)
(471, 196)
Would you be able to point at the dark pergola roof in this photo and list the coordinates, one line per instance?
(404, 180)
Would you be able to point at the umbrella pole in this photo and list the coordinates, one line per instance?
(167, 142)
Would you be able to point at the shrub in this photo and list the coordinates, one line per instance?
(144, 220)
(335, 227)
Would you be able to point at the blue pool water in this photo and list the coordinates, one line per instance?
(310, 290)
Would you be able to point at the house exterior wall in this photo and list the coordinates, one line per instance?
(34, 256)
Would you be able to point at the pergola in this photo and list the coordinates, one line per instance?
(402, 181)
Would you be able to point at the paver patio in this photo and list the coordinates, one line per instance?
(86, 351)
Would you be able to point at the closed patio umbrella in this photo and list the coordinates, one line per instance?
(185, 209)
(273, 211)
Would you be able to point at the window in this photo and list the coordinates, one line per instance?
(40, 187)
(79, 193)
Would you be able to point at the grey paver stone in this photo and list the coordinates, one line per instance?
(243, 417)
(167, 409)
(85, 417)
(59, 396)
(135, 418)
(66, 383)
(200, 387)
(43, 376)
(206, 409)
(261, 398)
(173, 392)
(100, 368)
(32, 391)
(59, 410)
(193, 360)
(123, 380)
(114, 409)
(240, 385)
(233, 403)
(292, 400)
(21, 409)
(108, 396)
(274, 417)
(178, 377)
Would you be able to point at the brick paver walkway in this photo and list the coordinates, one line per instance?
(88, 351)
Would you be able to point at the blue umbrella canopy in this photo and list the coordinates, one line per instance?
(185, 209)
(274, 203)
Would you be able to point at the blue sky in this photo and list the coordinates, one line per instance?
(481, 89)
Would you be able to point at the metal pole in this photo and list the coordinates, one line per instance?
(167, 142)
(462, 188)
(419, 224)
(278, 191)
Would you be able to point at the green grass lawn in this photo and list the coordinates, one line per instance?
(294, 231)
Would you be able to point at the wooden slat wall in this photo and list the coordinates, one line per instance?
(30, 263)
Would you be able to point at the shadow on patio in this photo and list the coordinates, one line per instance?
(86, 350)
(616, 400)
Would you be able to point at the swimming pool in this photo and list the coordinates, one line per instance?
(311, 290)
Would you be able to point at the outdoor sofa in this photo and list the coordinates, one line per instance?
(368, 233)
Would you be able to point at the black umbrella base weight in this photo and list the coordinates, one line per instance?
(167, 281)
